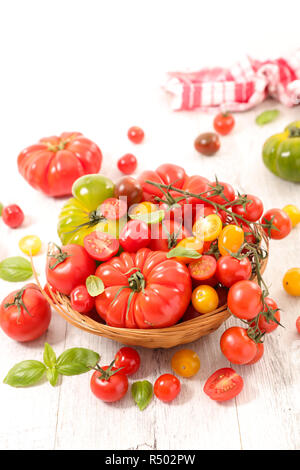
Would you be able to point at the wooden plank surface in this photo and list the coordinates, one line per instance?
(266, 415)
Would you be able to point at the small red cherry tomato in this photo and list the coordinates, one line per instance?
(245, 299)
(127, 164)
(252, 211)
(237, 346)
(223, 385)
(207, 144)
(101, 246)
(266, 322)
(230, 270)
(12, 216)
(280, 220)
(167, 387)
(229, 194)
(224, 123)
(81, 300)
(298, 324)
(113, 208)
(109, 384)
(129, 359)
(135, 235)
(259, 354)
(203, 268)
(135, 134)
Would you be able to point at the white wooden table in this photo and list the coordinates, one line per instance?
(66, 80)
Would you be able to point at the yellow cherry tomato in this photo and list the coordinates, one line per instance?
(208, 228)
(231, 239)
(293, 212)
(189, 243)
(205, 299)
(30, 245)
(143, 208)
(291, 282)
(185, 363)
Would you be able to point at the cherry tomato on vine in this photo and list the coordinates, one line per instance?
(211, 210)
(101, 246)
(30, 245)
(135, 134)
(12, 216)
(266, 324)
(189, 243)
(166, 235)
(252, 211)
(223, 385)
(208, 228)
(291, 282)
(280, 220)
(127, 164)
(205, 299)
(230, 270)
(230, 239)
(203, 268)
(259, 354)
(245, 299)
(185, 363)
(293, 212)
(113, 208)
(207, 144)
(130, 188)
(236, 345)
(228, 193)
(167, 387)
(25, 314)
(81, 300)
(298, 324)
(129, 359)
(224, 123)
(135, 235)
(109, 384)
(248, 233)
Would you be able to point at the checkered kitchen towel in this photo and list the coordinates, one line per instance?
(238, 88)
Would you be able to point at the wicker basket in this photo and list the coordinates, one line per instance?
(182, 333)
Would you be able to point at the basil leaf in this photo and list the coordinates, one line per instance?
(150, 218)
(52, 376)
(25, 373)
(266, 117)
(49, 356)
(184, 253)
(142, 392)
(76, 361)
(15, 269)
(94, 286)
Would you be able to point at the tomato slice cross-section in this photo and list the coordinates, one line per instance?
(101, 246)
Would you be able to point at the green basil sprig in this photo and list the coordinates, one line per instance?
(73, 361)
(180, 252)
(15, 269)
(142, 392)
(94, 285)
(266, 117)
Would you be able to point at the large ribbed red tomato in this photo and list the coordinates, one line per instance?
(143, 290)
(54, 163)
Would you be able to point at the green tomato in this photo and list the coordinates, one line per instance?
(1, 208)
(92, 190)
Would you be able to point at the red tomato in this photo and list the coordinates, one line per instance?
(166, 235)
(135, 134)
(81, 300)
(223, 385)
(245, 299)
(259, 354)
(249, 235)
(101, 246)
(25, 314)
(298, 324)
(252, 211)
(224, 123)
(135, 235)
(236, 345)
(68, 267)
(129, 359)
(266, 324)
(227, 190)
(211, 210)
(230, 270)
(167, 387)
(55, 163)
(143, 290)
(164, 174)
(113, 208)
(12, 216)
(127, 164)
(281, 222)
(203, 268)
(108, 384)
(207, 143)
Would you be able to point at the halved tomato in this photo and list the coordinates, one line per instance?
(223, 385)
(203, 268)
(113, 208)
(101, 246)
(208, 228)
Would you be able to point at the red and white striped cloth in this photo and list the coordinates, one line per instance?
(241, 87)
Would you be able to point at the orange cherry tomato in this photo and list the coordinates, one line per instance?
(190, 243)
(205, 299)
(208, 228)
(231, 239)
(185, 363)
